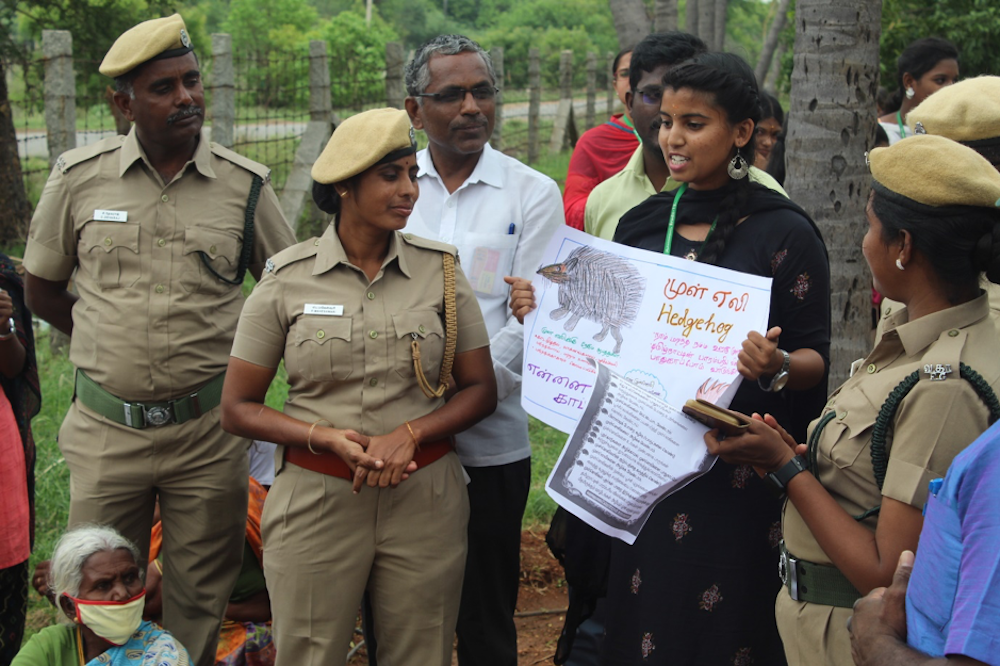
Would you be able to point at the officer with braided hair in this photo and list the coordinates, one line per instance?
(160, 227)
(922, 395)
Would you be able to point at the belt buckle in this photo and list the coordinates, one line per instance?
(788, 571)
(158, 415)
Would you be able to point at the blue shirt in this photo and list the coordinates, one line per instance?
(953, 601)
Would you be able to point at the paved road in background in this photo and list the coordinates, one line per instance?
(34, 144)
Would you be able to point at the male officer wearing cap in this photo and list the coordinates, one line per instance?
(969, 113)
(500, 213)
(160, 227)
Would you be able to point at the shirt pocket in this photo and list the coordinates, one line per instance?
(112, 249)
(221, 250)
(426, 327)
(851, 429)
(486, 260)
(321, 348)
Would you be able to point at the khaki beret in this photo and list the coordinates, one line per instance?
(155, 39)
(362, 141)
(968, 111)
(935, 171)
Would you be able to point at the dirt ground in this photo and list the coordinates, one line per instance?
(541, 603)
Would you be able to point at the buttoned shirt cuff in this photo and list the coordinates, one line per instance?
(47, 264)
(507, 381)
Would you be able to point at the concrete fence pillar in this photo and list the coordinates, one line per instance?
(591, 88)
(223, 90)
(320, 105)
(395, 90)
(564, 131)
(611, 84)
(534, 103)
(60, 92)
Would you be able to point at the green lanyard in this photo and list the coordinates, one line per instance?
(902, 127)
(668, 242)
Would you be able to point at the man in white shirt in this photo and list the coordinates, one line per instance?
(500, 213)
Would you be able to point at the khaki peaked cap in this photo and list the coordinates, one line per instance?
(935, 171)
(363, 141)
(968, 111)
(155, 39)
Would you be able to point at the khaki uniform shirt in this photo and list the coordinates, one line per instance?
(152, 322)
(936, 420)
(346, 341)
(889, 306)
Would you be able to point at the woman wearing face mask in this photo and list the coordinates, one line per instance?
(923, 68)
(97, 583)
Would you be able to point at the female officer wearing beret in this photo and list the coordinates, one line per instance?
(923, 394)
(374, 327)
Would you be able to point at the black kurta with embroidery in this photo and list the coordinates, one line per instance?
(698, 585)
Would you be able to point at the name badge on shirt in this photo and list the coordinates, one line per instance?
(110, 215)
(324, 310)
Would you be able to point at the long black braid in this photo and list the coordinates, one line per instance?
(731, 81)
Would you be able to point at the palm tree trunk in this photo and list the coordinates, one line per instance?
(665, 15)
(631, 21)
(691, 17)
(832, 124)
(771, 43)
(719, 25)
(706, 21)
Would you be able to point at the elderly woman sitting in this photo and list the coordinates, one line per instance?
(96, 580)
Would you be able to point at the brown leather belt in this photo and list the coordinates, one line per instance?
(333, 465)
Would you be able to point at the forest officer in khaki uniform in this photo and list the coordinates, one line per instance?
(160, 227)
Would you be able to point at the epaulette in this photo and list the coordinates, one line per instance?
(292, 254)
(241, 161)
(428, 244)
(75, 156)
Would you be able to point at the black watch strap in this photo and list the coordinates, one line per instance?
(778, 480)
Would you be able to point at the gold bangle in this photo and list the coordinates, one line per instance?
(310, 436)
(412, 436)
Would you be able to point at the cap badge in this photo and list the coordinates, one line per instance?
(919, 128)
(868, 162)
(413, 135)
(185, 40)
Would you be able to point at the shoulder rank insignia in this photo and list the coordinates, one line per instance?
(937, 372)
(269, 266)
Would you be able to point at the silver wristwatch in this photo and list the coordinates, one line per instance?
(11, 329)
(781, 378)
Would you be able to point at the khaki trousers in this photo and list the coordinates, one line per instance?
(200, 472)
(813, 634)
(323, 546)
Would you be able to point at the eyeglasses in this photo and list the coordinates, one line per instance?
(651, 96)
(456, 95)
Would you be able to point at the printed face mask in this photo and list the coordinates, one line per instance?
(114, 621)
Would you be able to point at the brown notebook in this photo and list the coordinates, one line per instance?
(728, 421)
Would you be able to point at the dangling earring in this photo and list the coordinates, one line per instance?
(738, 167)
(899, 265)
(910, 92)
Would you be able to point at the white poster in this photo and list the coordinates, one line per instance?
(629, 450)
(671, 326)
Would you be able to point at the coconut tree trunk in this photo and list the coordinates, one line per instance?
(691, 16)
(632, 23)
(719, 25)
(14, 211)
(771, 42)
(706, 21)
(665, 15)
(832, 123)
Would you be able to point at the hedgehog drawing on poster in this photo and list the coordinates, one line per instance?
(599, 287)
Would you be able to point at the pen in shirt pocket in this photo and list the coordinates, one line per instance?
(510, 229)
(933, 487)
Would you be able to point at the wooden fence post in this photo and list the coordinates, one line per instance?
(611, 87)
(223, 89)
(60, 92)
(320, 105)
(395, 91)
(564, 129)
(534, 103)
(591, 88)
(496, 55)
